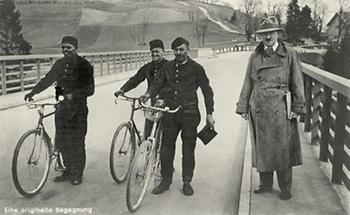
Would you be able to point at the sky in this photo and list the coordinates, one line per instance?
(332, 5)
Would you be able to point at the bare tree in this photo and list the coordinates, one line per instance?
(343, 23)
(139, 32)
(276, 9)
(318, 15)
(250, 8)
(201, 27)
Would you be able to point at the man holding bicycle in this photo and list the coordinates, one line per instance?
(74, 79)
(148, 71)
(179, 83)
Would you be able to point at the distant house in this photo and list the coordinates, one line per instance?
(333, 26)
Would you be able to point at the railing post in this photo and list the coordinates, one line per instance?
(308, 92)
(38, 77)
(101, 65)
(114, 64)
(21, 75)
(120, 62)
(338, 152)
(126, 61)
(108, 64)
(3, 78)
(326, 117)
(316, 104)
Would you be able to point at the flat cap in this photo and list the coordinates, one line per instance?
(70, 40)
(178, 42)
(156, 44)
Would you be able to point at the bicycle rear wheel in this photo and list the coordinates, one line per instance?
(139, 176)
(31, 163)
(122, 152)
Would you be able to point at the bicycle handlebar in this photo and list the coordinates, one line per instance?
(32, 105)
(165, 109)
(127, 98)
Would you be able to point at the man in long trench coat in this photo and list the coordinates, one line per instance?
(74, 79)
(273, 74)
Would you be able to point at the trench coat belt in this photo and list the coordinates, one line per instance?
(271, 86)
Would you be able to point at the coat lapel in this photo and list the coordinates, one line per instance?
(272, 62)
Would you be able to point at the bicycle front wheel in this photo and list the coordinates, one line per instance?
(122, 152)
(139, 176)
(31, 163)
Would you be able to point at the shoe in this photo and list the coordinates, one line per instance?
(161, 188)
(262, 189)
(64, 177)
(76, 181)
(187, 189)
(285, 195)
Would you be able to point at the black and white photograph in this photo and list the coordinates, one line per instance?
(175, 107)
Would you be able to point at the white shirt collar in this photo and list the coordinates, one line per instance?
(274, 47)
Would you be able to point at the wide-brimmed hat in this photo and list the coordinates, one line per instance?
(268, 24)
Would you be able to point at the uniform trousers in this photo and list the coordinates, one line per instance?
(172, 124)
(71, 128)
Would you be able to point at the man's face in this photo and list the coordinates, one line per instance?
(269, 38)
(157, 54)
(180, 53)
(68, 50)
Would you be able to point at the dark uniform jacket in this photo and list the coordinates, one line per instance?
(148, 71)
(72, 76)
(179, 84)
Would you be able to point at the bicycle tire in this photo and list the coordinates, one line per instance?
(119, 165)
(140, 175)
(36, 153)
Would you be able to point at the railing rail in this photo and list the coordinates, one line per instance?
(20, 73)
(327, 116)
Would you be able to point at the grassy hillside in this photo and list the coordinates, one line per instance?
(124, 25)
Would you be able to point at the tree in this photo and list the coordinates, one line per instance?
(318, 15)
(201, 27)
(275, 9)
(11, 37)
(233, 19)
(306, 22)
(293, 27)
(139, 31)
(250, 8)
(343, 23)
(344, 57)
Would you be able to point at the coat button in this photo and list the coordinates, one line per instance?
(177, 81)
(175, 92)
(176, 75)
(177, 71)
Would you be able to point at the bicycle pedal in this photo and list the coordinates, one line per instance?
(59, 169)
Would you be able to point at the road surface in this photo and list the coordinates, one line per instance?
(218, 165)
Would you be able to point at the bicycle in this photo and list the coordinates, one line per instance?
(145, 167)
(123, 144)
(34, 154)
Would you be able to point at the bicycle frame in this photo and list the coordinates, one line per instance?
(134, 107)
(40, 126)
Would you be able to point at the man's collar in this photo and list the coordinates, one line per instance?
(274, 47)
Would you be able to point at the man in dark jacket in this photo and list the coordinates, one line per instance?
(74, 80)
(179, 83)
(149, 71)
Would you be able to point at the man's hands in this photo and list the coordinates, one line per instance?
(145, 97)
(68, 96)
(245, 116)
(28, 97)
(210, 120)
(118, 93)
